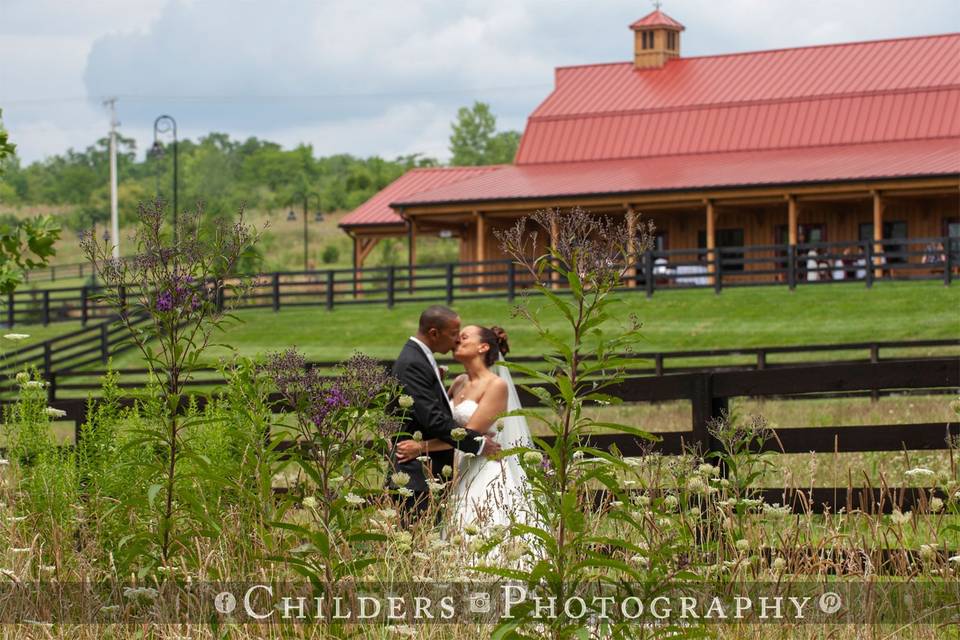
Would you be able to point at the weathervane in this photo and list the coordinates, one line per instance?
(657, 4)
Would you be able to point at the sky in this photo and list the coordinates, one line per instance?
(366, 77)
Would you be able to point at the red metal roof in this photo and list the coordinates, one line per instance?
(377, 211)
(702, 171)
(657, 19)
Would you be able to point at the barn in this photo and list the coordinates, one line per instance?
(752, 152)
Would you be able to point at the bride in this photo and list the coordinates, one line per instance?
(487, 492)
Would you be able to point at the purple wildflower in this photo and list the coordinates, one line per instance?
(165, 301)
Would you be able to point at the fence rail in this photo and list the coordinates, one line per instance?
(717, 269)
(710, 392)
(65, 361)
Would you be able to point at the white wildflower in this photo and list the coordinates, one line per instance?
(919, 472)
(936, 505)
(406, 493)
(403, 630)
(353, 498)
(16, 518)
(132, 593)
(458, 434)
(670, 502)
(4, 462)
(779, 564)
(900, 517)
(743, 544)
(418, 436)
(16, 337)
(405, 401)
(436, 487)
(20, 549)
(708, 469)
(447, 471)
(34, 384)
(387, 514)
(310, 502)
(927, 551)
(532, 457)
(471, 530)
(23, 377)
(695, 484)
(55, 413)
(400, 479)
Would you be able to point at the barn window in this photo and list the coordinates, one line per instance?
(672, 41)
(647, 38)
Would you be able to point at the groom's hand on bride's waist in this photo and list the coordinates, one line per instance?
(490, 448)
(408, 450)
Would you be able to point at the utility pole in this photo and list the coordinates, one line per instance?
(114, 217)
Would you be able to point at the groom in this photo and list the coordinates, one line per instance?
(432, 411)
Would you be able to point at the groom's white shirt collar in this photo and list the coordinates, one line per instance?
(433, 362)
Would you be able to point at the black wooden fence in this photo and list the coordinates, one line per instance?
(709, 393)
(790, 266)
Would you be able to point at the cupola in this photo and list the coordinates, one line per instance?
(656, 39)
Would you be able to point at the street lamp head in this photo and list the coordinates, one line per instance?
(291, 215)
(156, 151)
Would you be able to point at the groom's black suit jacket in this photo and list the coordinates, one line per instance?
(430, 415)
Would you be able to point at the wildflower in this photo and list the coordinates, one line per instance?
(423, 459)
(578, 455)
(936, 505)
(708, 469)
(724, 482)
(55, 413)
(779, 564)
(532, 457)
(387, 514)
(919, 472)
(743, 544)
(419, 555)
(400, 479)
(16, 518)
(34, 384)
(643, 500)
(928, 551)
(497, 426)
(458, 434)
(405, 401)
(403, 630)
(899, 517)
(4, 462)
(417, 436)
(696, 485)
(406, 493)
(447, 471)
(16, 337)
(353, 498)
(23, 377)
(670, 502)
(436, 487)
(694, 512)
(20, 549)
(310, 502)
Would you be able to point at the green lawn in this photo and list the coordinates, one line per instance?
(673, 320)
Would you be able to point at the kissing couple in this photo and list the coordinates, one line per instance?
(458, 435)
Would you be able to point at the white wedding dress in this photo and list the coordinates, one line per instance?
(493, 492)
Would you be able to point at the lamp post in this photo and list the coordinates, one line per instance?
(163, 124)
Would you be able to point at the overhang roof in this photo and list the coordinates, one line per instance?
(377, 211)
(838, 163)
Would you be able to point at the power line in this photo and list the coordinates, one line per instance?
(250, 98)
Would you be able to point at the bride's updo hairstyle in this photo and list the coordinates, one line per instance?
(496, 338)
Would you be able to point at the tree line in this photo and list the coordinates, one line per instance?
(223, 172)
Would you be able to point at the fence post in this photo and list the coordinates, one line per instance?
(81, 270)
(648, 272)
(658, 363)
(868, 256)
(330, 286)
(46, 307)
(947, 262)
(761, 359)
(450, 284)
(220, 286)
(83, 306)
(717, 274)
(276, 291)
(511, 281)
(706, 408)
(47, 365)
(792, 266)
(10, 313)
(391, 275)
(104, 352)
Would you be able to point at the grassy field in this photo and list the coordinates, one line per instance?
(675, 320)
(281, 243)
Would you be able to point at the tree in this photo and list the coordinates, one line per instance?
(474, 140)
(27, 245)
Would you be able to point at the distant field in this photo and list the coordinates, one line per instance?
(673, 320)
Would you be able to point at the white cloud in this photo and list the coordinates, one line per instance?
(377, 76)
